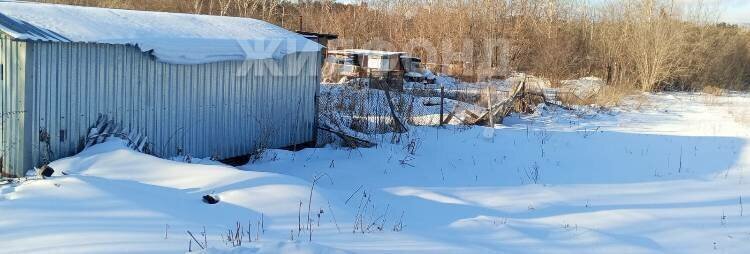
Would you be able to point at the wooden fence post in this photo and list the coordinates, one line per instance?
(442, 103)
(489, 107)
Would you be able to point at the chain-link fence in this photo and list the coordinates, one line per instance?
(367, 107)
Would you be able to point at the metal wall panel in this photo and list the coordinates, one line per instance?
(12, 106)
(206, 110)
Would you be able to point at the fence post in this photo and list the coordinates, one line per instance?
(489, 107)
(442, 96)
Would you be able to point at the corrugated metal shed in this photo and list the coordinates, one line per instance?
(54, 91)
(206, 110)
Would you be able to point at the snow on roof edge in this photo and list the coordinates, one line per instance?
(176, 38)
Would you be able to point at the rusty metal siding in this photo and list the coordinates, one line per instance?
(205, 110)
(12, 106)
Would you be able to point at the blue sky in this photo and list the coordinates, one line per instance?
(732, 11)
(736, 11)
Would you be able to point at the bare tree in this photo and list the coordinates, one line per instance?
(197, 6)
(633, 44)
(224, 7)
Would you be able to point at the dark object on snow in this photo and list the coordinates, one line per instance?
(208, 199)
(46, 171)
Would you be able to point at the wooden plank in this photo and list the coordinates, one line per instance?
(401, 127)
(349, 140)
(450, 116)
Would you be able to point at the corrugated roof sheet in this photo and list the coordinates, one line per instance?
(14, 27)
(171, 37)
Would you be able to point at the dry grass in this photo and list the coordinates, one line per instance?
(710, 100)
(613, 96)
(608, 96)
(714, 90)
(711, 95)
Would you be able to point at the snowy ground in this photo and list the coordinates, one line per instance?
(663, 177)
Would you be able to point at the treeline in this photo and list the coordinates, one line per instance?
(641, 44)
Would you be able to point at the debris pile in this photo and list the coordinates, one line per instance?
(522, 98)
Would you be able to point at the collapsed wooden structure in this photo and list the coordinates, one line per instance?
(521, 99)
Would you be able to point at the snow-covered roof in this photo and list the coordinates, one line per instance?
(171, 37)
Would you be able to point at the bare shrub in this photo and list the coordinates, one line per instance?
(532, 173)
(612, 96)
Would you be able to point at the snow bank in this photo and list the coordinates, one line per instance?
(171, 37)
(663, 177)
